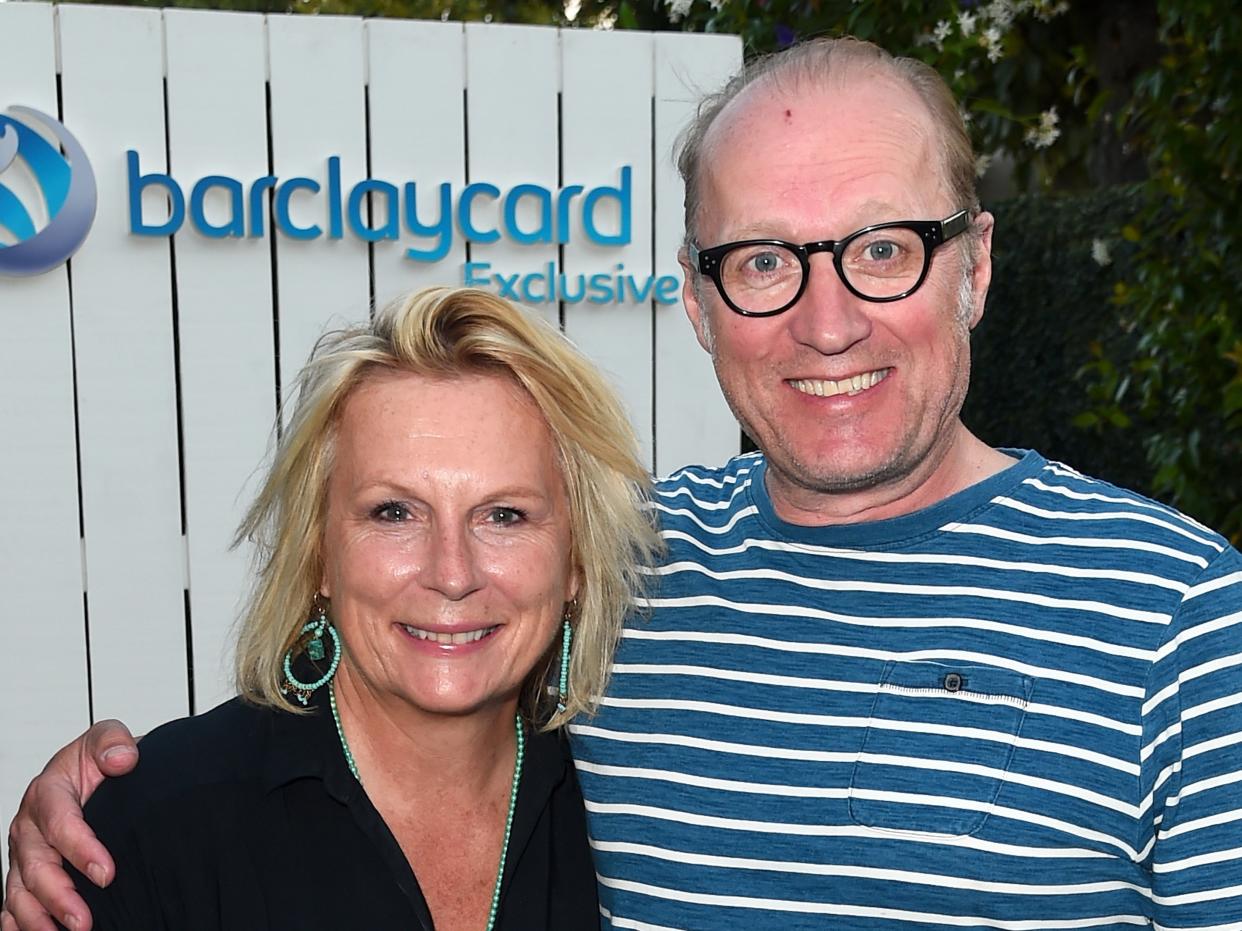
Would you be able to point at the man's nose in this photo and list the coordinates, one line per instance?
(450, 564)
(828, 317)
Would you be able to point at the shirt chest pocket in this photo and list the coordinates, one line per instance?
(938, 746)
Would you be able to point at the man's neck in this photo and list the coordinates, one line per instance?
(965, 461)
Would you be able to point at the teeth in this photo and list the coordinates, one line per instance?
(465, 636)
(827, 388)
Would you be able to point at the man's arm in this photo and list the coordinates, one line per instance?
(49, 825)
(1193, 743)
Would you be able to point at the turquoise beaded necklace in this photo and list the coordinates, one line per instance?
(513, 794)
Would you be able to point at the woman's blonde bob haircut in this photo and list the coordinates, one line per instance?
(445, 333)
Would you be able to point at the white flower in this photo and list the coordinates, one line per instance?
(1001, 13)
(678, 8)
(943, 28)
(716, 4)
(1046, 133)
(982, 164)
(966, 22)
(1046, 10)
(1100, 254)
(965, 115)
(991, 40)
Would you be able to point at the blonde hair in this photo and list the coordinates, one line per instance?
(810, 64)
(444, 333)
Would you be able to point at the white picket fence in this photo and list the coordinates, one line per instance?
(138, 385)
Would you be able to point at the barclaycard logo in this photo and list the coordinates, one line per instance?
(65, 181)
(48, 198)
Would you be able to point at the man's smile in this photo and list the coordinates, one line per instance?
(827, 388)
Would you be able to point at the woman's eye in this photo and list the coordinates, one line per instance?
(505, 517)
(392, 512)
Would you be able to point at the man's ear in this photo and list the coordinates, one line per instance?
(981, 274)
(689, 296)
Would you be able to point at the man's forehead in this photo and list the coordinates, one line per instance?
(801, 102)
(859, 147)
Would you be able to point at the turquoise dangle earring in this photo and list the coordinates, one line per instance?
(316, 627)
(566, 637)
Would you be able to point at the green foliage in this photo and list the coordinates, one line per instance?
(1184, 380)
(1018, 66)
(1048, 317)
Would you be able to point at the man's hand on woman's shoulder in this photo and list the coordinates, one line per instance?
(49, 826)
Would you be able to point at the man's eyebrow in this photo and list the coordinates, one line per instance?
(870, 212)
(866, 214)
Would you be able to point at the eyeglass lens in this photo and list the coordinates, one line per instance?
(882, 263)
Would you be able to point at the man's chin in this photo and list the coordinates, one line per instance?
(843, 478)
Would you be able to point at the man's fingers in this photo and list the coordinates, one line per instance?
(109, 749)
(38, 884)
(52, 891)
(29, 915)
(66, 830)
(22, 911)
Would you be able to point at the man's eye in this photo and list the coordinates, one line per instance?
(882, 250)
(764, 262)
(392, 511)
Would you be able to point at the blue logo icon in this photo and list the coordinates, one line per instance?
(66, 182)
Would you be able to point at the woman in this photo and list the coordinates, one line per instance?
(451, 522)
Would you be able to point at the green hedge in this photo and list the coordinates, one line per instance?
(1050, 301)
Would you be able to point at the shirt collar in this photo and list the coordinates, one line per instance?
(307, 746)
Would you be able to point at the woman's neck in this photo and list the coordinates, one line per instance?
(405, 750)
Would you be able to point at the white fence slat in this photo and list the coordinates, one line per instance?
(43, 663)
(693, 423)
(512, 79)
(112, 88)
(318, 110)
(616, 67)
(418, 137)
(217, 119)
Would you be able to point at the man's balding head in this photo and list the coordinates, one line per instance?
(831, 65)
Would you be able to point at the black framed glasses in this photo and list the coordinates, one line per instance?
(881, 263)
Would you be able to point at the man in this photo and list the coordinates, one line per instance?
(893, 678)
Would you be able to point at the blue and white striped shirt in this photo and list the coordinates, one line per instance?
(1020, 708)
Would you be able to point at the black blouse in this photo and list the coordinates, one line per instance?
(248, 818)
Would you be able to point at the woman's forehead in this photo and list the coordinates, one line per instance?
(479, 422)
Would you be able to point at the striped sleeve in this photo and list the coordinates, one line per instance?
(1192, 749)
